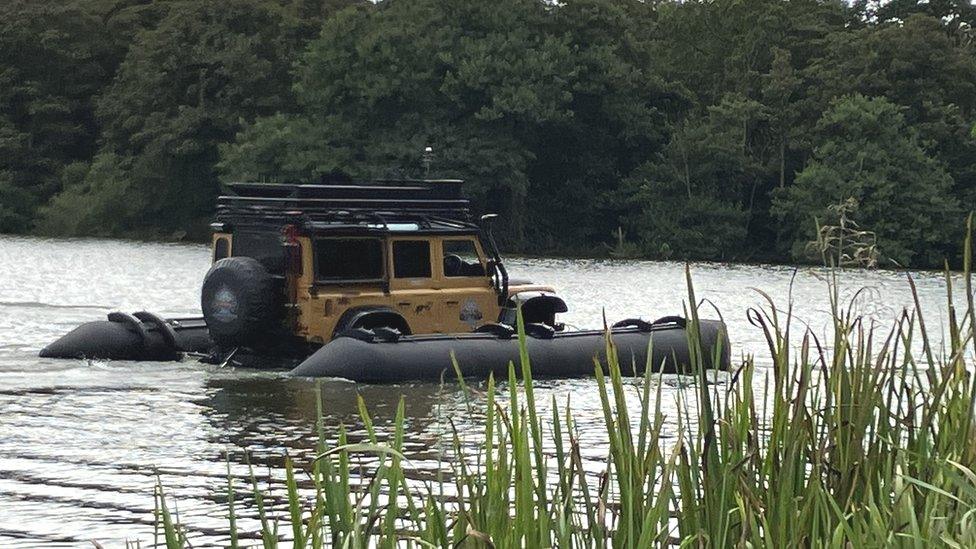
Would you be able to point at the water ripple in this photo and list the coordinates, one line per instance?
(82, 442)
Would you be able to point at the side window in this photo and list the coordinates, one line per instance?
(348, 259)
(461, 259)
(221, 249)
(266, 247)
(411, 259)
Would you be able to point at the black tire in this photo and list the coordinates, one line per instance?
(241, 302)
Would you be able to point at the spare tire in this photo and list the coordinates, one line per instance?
(241, 302)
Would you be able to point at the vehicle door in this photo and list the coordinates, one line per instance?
(342, 273)
(469, 300)
(414, 288)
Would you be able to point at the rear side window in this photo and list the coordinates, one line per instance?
(221, 249)
(348, 259)
(266, 247)
(411, 259)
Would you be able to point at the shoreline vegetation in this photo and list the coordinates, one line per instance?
(866, 439)
(684, 130)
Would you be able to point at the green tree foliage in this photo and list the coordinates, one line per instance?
(673, 123)
(868, 153)
(98, 199)
(186, 85)
(52, 62)
(689, 199)
(757, 51)
(537, 106)
(956, 14)
(921, 67)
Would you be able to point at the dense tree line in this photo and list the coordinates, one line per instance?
(714, 130)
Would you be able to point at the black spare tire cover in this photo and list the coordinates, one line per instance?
(241, 302)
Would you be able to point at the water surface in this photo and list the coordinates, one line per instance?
(82, 441)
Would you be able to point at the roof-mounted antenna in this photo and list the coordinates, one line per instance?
(427, 158)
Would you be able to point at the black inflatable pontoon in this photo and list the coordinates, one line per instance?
(141, 336)
(383, 355)
(370, 357)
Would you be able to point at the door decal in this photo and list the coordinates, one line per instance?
(470, 313)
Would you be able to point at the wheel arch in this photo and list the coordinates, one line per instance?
(537, 306)
(371, 317)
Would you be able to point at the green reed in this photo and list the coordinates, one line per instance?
(871, 444)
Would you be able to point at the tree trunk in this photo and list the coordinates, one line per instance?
(782, 162)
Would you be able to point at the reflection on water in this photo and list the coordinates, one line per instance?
(81, 442)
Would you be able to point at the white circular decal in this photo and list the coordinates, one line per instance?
(224, 305)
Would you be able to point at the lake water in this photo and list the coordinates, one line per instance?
(81, 442)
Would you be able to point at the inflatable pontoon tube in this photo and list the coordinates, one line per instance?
(142, 336)
(563, 354)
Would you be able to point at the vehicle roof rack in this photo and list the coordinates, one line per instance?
(391, 189)
(433, 204)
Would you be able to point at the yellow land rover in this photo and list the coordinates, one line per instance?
(296, 265)
(392, 273)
